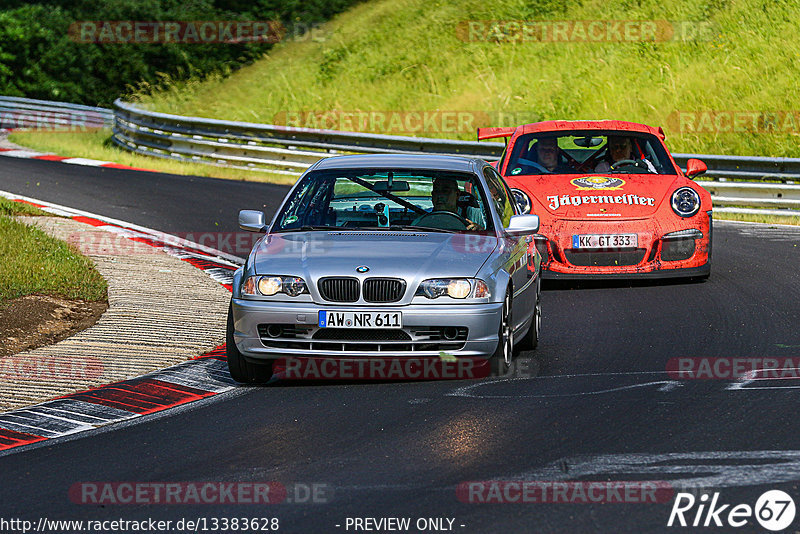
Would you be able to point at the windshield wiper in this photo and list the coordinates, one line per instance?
(429, 228)
(401, 227)
(308, 228)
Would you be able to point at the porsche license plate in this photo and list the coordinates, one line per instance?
(589, 241)
(351, 319)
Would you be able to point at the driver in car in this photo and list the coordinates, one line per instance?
(547, 155)
(620, 149)
(444, 196)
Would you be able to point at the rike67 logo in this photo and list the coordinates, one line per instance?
(774, 510)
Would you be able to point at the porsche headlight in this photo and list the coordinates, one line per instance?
(457, 288)
(523, 201)
(272, 285)
(685, 202)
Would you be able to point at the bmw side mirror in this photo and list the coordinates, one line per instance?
(521, 225)
(695, 167)
(252, 220)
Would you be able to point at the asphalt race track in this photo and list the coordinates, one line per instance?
(596, 403)
(167, 202)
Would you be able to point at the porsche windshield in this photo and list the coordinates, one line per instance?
(397, 199)
(589, 153)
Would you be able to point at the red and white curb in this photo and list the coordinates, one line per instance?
(187, 382)
(200, 378)
(32, 154)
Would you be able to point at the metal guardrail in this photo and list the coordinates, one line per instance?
(28, 113)
(263, 147)
(737, 183)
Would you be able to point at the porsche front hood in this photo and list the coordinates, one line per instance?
(599, 196)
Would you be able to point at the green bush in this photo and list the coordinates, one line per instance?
(39, 59)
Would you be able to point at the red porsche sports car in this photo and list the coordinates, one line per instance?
(611, 200)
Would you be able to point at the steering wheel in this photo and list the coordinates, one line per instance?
(533, 164)
(631, 162)
(447, 220)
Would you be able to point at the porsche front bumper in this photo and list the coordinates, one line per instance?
(678, 250)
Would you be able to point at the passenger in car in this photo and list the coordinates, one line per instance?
(620, 148)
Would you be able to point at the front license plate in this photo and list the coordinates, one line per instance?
(587, 241)
(349, 319)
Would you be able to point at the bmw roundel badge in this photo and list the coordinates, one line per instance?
(362, 269)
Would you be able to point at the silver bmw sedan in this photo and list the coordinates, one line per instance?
(402, 256)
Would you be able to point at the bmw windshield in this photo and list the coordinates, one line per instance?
(348, 199)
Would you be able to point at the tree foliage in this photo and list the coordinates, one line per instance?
(39, 59)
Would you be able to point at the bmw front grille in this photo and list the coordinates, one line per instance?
(376, 290)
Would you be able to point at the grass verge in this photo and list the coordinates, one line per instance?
(35, 263)
(414, 55)
(10, 207)
(97, 145)
(747, 217)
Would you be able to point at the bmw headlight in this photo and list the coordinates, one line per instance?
(685, 202)
(294, 285)
(523, 201)
(272, 285)
(269, 285)
(457, 288)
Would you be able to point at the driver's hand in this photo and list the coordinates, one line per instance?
(471, 225)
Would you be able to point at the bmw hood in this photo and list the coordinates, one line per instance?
(597, 196)
(409, 255)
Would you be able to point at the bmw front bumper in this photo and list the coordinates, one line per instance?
(477, 326)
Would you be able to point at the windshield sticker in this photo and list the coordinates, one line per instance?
(516, 170)
(589, 183)
(290, 219)
(566, 200)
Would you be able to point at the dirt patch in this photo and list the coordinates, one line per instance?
(37, 320)
(5, 143)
